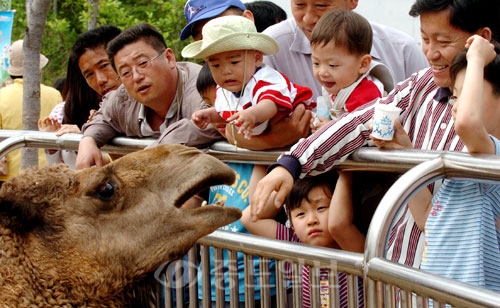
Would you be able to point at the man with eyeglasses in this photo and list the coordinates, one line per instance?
(156, 98)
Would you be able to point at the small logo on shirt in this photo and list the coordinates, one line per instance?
(436, 209)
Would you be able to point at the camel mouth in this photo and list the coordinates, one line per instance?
(179, 172)
(203, 181)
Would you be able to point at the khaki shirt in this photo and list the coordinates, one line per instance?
(119, 115)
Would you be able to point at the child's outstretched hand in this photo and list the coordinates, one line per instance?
(245, 121)
(201, 118)
(401, 140)
(48, 124)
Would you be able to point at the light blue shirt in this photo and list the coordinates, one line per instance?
(462, 237)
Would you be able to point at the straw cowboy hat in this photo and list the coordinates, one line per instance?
(16, 59)
(229, 33)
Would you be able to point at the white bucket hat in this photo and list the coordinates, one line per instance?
(229, 33)
(16, 59)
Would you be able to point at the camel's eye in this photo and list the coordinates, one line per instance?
(105, 192)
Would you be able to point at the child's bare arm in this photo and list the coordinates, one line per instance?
(263, 111)
(420, 205)
(281, 133)
(203, 117)
(340, 216)
(469, 107)
(264, 225)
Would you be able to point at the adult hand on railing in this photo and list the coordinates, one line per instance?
(401, 140)
(279, 180)
(88, 154)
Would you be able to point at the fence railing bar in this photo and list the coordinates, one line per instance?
(379, 273)
(439, 288)
(337, 260)
(11, 144)
(362, 159)
(481, 167)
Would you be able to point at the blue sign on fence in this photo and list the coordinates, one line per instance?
(6, 20)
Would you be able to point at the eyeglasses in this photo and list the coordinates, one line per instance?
(126, 72)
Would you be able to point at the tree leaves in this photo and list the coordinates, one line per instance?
(71, 19)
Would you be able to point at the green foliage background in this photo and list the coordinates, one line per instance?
(70, 20)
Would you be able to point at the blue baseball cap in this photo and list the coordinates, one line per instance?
(196, 10)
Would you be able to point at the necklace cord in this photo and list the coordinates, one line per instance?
(239, 100)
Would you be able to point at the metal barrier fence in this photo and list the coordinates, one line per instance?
(384, 281)
(417, 287)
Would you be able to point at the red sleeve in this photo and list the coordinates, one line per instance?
(364, 93)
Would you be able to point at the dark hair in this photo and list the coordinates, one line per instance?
(491, 71)
(234, 11)
(466, 15)
(80, 98)
(301, 189)
(346, 29)
(141, 32)
(265, 13)
(205, 79)
(59, 83)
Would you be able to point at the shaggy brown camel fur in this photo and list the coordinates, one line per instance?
(87, 238)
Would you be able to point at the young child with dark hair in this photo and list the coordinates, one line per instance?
(311, 205)
(341, 43)
(465, 209)
(249, 94)
(461, 220)
(265, 13)
(205, 84)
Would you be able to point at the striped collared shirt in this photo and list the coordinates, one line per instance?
(426, 117)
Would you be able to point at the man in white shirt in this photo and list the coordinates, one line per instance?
(394, 48)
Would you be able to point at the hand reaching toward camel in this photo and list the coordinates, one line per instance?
(50, 124)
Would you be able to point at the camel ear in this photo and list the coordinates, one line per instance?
(20, 217)
(25, 199)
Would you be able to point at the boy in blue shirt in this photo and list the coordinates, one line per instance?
(463, 209)
(461, 221)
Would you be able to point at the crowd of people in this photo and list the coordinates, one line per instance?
(262, 79)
